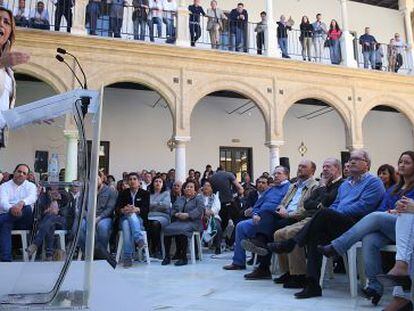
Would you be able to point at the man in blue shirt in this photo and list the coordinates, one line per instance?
(263, 210)
(368, 42)
(358, 196)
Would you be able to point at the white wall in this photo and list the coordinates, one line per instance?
(384, 22)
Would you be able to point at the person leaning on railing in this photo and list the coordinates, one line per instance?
(116, 15)
(155, 17)
(306, 34)
(334, 34)
(260, 30)
(140, 18)
(392, 52)
(319, 35)
(238, 26)
(282, 34)
(93, 10)
(63, 8)
(215, 24)
(195, 29)
(401, 47)
(170, 11)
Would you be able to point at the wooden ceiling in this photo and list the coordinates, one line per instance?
(391, 4)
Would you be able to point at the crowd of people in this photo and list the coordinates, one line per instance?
(300, 219)
(228, 30)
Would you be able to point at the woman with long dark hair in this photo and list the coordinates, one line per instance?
(334, 35)
(306, 35)
(378, 229)
(387, 174)
(159, 214)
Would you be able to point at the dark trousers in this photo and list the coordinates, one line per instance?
(260, 39)
(195, 32)
(94, 11)
(264, 261)
(9, 222)
(399, 63)
(115, 25)
(154, 230)
(67, 13)
(181, 242)
(325, 226)
(46, 232)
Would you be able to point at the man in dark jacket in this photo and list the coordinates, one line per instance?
(238, 28)
(63, 8)
(132, 209)
(368, 43)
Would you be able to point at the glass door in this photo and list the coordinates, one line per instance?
(236, 160)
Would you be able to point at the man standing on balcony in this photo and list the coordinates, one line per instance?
(140, 18)
(319, 35)
(215, 24)
(21, 14)
(155, 17)
(40, 17)
(170, 10)
(195, 29)
(400, 46)
(282, 34)
(260, 30)
(368, 42)
(116, 15)
(63, 8)
(238, 26)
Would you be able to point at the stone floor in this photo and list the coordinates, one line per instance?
(204, 286)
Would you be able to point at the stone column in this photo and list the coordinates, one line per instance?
(272, 47)
(274, 154)
(71, 167)
(406, 8)
(347, 44)
(79, 12)
(180, 157)
(183, 31)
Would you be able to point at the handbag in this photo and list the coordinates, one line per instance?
(327, 43)
(211, 230)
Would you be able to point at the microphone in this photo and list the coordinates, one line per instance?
(64, 52)
(62, 60)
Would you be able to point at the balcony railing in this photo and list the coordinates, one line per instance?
(162, 29)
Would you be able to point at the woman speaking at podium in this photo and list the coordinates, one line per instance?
(8, 59)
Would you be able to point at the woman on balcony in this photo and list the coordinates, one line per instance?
(334, 35)
(306, 35)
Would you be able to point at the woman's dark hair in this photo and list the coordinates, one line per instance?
(401, 182)
(110, 177)
(391, 170)
(12, 36)
(303, 20)
(196, 186)
(336, 25)
(151, 186)
(119, 185)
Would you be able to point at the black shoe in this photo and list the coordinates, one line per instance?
(389, 280)
(328, 251)
(282, 279)
(166, 261)
(372, 294)
(295, 281)
(217, 251)
(259, 274)
(255, 246)
(234, 267)
(250, 262)
(181, 262)
(176, 257)
(282, 247)
(309, 291)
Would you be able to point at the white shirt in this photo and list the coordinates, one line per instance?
(10, 194)
(18, 12)
(5, 97)
(43, 16)
(169, 7)
(155, 5)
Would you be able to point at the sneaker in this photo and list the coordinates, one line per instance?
(31, 250)
(259, 274)
(127, 263)
(139, 244)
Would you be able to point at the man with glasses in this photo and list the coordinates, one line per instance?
(358, 195)
(133, 208)
(17, 197)
(262, 215)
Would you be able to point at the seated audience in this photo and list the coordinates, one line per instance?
(176, 191)
(250, 199)
(17, 197)
(263, 216)
(54, 205)
(211, 213)
(377, 229)
(40, 17)
(387, 175)
(159, 214)
(132, 208)
(186, 218)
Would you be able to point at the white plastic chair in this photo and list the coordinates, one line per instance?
(195, 237)
(23, 236)
(121, 244)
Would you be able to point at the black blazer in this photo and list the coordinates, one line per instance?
(142, 200)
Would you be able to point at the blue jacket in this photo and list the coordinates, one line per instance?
(270, 200)
(359, 199)
(389, 200)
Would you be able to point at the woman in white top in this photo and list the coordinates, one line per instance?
(8, 59)
(212, 208)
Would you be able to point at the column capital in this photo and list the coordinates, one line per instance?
(274, 143)
(71, 134)
(355, 146)
(405, 5)
(182, 139)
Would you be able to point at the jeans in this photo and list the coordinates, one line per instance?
(240, 40)
(232, 41)
(158, 22)
(131, 230)
(376, 230)
(140, 26)
(244, 230)
(9, 222)
(283, 45)
(169, 23)
(318, 43)
(335, 52)
(115, 25)
(369, 57)
(224, 41)
(94, 9)
(46, 232)
(103, 232)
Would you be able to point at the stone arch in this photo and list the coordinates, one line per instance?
(45, 75)
(387, 100)
(240, 87)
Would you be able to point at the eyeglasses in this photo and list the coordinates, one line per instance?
(356, 159)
